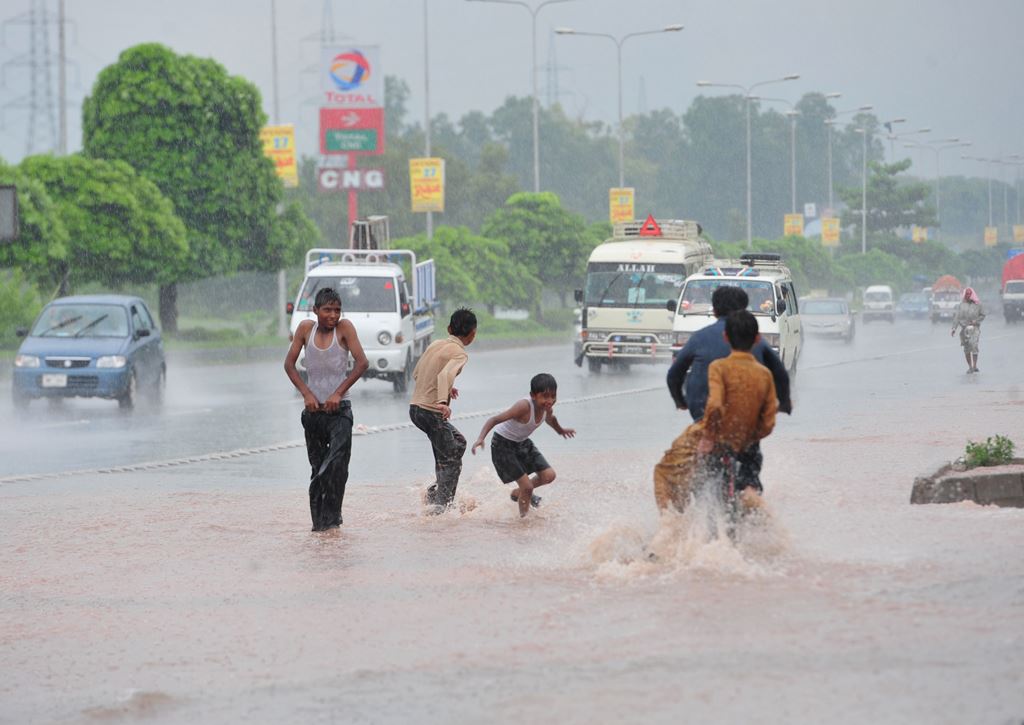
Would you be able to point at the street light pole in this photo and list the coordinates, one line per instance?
(864, 192)
(892, 138)
(533, 54)
(950, 143)
(426, 105)
(747, 90)
(618, 48)
(830, 122)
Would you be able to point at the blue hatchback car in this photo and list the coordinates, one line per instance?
(96, 346)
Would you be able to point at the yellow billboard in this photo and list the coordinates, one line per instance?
(793, 224)
(991, 236)
(426, 184)
(918, 234)
(830, 231)
(1018, 233)
(279, 146)
(620, 204)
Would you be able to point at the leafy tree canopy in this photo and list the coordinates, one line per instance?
(892, 202)
(120, 227)
(43, 245)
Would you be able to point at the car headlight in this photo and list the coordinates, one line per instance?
(384, 337)
(26, 361)
(111, 361)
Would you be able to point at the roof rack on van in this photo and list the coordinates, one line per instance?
(725, 271)
(670, 229)
(761, 259)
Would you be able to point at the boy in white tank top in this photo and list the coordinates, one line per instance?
(514, 456)
(327, 413)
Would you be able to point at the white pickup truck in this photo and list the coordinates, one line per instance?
(394, 324)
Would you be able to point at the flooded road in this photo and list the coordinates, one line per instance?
(195, 591)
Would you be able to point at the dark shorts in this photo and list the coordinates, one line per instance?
(514, 460)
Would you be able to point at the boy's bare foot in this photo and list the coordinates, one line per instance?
(534, 498)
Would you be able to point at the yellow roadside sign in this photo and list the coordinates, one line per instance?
(426, 184)
(918, 234)
(793, 224)
(279, 146)
(1018, 233)
(830, 231)
(991, 236)
(620, 204)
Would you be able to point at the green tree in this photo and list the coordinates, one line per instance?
(121, 229)
(551, 242)
(892, 202)
(875, 267)
(193, 130)
(42, 247)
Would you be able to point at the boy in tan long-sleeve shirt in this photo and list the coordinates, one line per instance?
(430, 409)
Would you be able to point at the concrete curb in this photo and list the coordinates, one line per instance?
(989, 485)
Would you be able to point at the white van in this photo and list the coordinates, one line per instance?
(630, 277)
(878, 304)
(773, 300)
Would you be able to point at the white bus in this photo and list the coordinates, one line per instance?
(630, 278)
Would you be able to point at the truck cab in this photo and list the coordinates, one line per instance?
(386, 294)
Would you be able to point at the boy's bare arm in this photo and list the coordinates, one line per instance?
(298, 341)
(564, 432)
(518, 410)
(446, 383)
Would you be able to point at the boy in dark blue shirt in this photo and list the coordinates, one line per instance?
(690, 371)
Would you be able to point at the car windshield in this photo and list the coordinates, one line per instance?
(697, 294)
(83, 320)
(1015, 286)
(947, 295)
(615, 284)
(877, 297)
(358, 294)
(823, 307)
(913, 298)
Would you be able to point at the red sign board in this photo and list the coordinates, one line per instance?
(358, 131)
(350, 179)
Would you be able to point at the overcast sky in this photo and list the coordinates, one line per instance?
(952, 65)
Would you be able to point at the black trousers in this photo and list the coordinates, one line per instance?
(329, 447)
(449, 446)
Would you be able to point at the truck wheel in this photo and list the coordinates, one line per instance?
(593, 365)
(401, 380)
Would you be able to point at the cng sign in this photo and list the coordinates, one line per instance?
(350, 179)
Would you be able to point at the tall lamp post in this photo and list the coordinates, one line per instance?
(830, 122)
(937, 147)
(618, 47)
(533, 10)
(792, 113)
(863, 190)
(905, 134)
(747, 90)
(426, 104)
(887, 125)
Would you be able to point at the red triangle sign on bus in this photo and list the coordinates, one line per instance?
(649, 228)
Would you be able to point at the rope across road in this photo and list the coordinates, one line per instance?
(359, 430)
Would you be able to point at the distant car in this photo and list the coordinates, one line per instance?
(878, 303)
(828, 317)
(915, 305)
(91, 346)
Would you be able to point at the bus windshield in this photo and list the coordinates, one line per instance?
(696, 297)
(625, 284)
(358, 294)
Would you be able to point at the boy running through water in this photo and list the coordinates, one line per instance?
(327, 416)
(430, 409)
(514, 456)
(741, 403)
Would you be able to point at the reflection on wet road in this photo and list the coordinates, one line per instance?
(196, 592)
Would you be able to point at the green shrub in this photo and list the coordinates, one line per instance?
(19, 305)
(995, 451)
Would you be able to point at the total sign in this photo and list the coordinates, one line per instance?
(351, 77)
